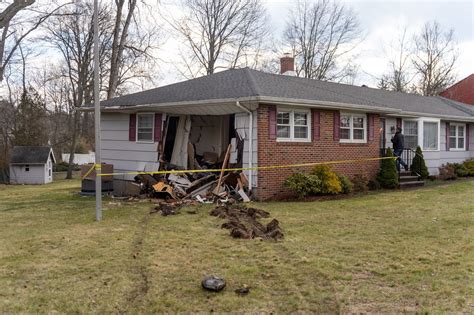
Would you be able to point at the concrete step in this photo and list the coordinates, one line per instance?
(405, 173)
(417, 183)
(410, 178)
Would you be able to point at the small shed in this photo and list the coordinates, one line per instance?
(31, 165)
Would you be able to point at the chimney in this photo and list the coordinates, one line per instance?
(287, 64)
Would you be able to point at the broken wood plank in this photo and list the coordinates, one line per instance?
(224, 166)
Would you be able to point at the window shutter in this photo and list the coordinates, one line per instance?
(371, 127)
(272, 122)
(467, 137)
(158, 122)
(132, 128)
(447, 136)
(337, 125)
(399, 122)
(316, 125)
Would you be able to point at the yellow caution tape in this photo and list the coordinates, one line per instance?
(94, 166)
(255, 168)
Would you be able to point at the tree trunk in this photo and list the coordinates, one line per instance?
(70, 167)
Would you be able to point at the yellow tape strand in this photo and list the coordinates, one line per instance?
(94, 166)
(255, 168)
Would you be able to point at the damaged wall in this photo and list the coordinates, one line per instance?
(125, 155)
(209, 133)
(242, 127)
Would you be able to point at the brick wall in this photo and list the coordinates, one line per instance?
(271, 152)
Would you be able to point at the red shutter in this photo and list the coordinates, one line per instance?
(371, 122)
(467, 137)
(132, 128)
(337, 125)
(447, 136)
(316, 125)
(158, 122)
(399, 122)
(272, 122)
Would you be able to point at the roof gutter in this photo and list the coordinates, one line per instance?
(417, 114)
(279, 101)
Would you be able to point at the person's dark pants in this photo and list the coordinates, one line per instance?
(398, 153)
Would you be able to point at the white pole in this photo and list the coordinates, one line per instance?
(98, 169)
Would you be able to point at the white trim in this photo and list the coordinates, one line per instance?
(152, 128)
(292, 112)
(456, 137)
(417, 130)
(351, 127)
(421, 126)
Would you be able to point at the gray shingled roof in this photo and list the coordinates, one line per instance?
(244, 83)
(30, 155)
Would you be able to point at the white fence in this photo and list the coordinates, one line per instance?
(80, 158)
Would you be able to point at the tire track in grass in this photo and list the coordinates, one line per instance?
(138, 269)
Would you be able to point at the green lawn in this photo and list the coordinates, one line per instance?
(410, 251)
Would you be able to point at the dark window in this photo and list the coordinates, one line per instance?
(27, 168)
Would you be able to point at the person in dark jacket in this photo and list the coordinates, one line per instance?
(398, 144)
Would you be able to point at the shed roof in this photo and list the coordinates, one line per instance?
(31, 155)
(247, 83)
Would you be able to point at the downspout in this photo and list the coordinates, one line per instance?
(237, 103)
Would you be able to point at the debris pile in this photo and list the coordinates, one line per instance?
(206, 186)
(166, 208)
(243, 222)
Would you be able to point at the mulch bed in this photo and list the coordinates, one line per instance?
(243, 222)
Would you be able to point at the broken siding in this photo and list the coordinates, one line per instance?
(242, 127)
(36, 174)
(125, 155)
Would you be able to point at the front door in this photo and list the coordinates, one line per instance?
(383, 142)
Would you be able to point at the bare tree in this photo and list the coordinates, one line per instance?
(220, 33)
(71, 34)
(321, 34)
(132, 44)
(10, 11)
(398, 77)
(13, 34)
(434, 58)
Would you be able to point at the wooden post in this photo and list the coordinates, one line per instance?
(224, 166)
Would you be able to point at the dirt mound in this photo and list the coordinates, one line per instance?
(244, 222)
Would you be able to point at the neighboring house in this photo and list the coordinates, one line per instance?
(282, 120)
(79, 158)
(463, 91)
(31, 165)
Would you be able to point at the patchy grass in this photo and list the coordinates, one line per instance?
(409, 251)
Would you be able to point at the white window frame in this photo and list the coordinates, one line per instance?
(457, 125)
(418, 131)
(351, 128)
(292, 124)
(152, 129)
(421, 122)
(421, 134)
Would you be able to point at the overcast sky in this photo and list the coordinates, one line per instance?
(381, 22)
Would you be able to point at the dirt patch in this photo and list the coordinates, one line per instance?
(243, 222)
